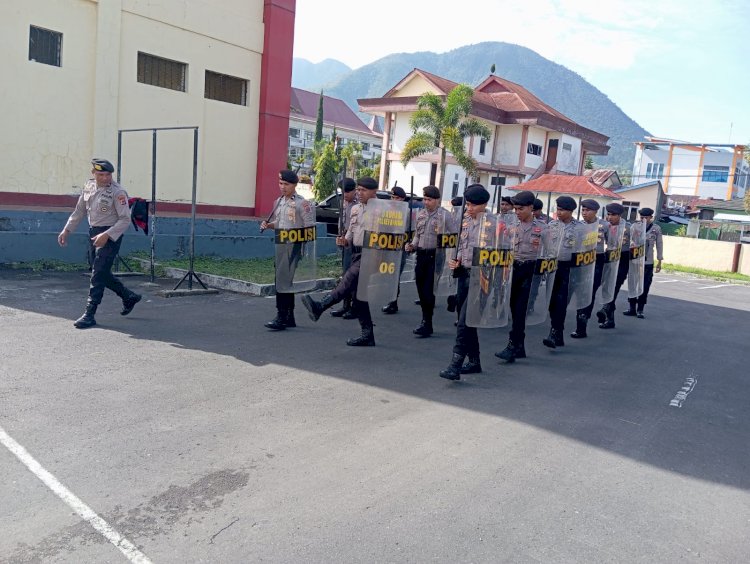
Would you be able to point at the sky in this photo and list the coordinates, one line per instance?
(674, 66)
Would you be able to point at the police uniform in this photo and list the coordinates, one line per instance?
(559, 301)
(653, 241)
(605, 315)
(583, 314)
(291, 212)
(526, 246)
(347, 287)
(347, 185)
(429, 225)
(108, 212)
(392, 307)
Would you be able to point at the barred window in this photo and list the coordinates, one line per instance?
(45, 46)
(160, 72)
(226, 88)
(533, 149)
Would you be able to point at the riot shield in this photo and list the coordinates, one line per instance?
(637, 267)
(544, 273)
(385, 223)
(582, 265)
(447, 247)
(408, 272)
(296, 265)
(613, 250)
(487, 304)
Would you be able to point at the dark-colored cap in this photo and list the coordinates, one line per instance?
(288, 176)
(566, 203)
(590, 204)
(102, 165)
(538, 204)
(646, 212)
(476, 194)
(398, 191)
(507, 200)
(432, 192)
(615, 209)
(347, 184)
(457, 201)
(524, 198)
(368, 183)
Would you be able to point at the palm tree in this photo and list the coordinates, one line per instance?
(443, 124)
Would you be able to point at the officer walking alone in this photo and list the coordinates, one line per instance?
(106, 204)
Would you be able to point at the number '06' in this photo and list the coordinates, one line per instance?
(387, 268)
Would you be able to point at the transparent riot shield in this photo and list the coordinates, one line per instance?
(637, 267)
(385, 224)
(612, 252)
(294, 241)
(410, 261)
(447, 247)
(487, 304)
(582, 265)
(550, 239)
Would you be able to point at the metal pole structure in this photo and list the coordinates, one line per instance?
(153, 203)
(119, 154)
(549, 204)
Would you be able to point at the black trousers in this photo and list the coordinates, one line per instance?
(520, 288)
(347, 287)
(467, 339)
(424, 274)
(622, 275)
(285, 300)
(101, 268)
(648, 276)
(558, 305)
(598, 271)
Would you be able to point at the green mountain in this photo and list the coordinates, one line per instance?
(555, 84)
(316, 76)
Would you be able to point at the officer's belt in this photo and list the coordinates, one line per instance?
(356, 249)
(523, 261)
(99, 228)
(426, 252)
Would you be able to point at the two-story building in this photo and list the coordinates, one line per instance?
(692, 170)
(529, 138)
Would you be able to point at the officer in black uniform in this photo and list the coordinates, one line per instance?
(348, 187)
(606, 315)
(106, 204)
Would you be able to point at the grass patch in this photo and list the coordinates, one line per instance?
(673, 229)
(46, 264)
(728, 276)
(258, 270)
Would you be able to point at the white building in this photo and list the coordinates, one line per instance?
(529, 138)
(692, 170)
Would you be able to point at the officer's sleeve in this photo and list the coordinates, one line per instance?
(77, 215)
(308, 213)
(123, 216)
(417, 231)
(659, 245)
(353, 220)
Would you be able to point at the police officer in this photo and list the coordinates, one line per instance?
(589, 209)
(106, 204)
(653, 239)
(506, 204)
(430, 219)
(526, 245)
(348, 187)
(291, 210)
(538, 205)
(366, 189)
(559, 301)
(606, 315)
(467, 340)
(398, 194)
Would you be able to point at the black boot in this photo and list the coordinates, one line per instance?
(639, 313)
(554, 340)
(128, 303)
(472, 366)
(316, 309)
(366, 339)
(351, 314)
(508, 354)
(581, 322)
(609, 323)
(392, 307)
(601, 315)
(278, 323)
(87, 319)
(453, 372)
(520, 350)
(346, 306)
(424, 329)
(631, 309)
(289, 318)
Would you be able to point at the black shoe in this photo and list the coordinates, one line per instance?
(390, 308)
(349, 314)
(87, 319)
(601, 316)
(129, 303)
(581, 322)
(366, 339)
(629, 313)
(417, 302)
(347, 306)
(424, 329)
(316, 309)
(639, 314)
(609, 324)
(289, 318)
(520, 351)
(453, 372)
(508, 354)
(554, 340)
(451, 303)
(472, 366)
(277, 323)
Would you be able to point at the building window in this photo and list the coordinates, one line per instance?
(225, 88)
(365, 146)
(482, 146)
(163, 73)
(454, 190)
(45, 46)
(534, 149)
(309, 135)
(655, 170)
(497, 181)
(567, 147)
(631, 210)
(293, 132)
(715, 173)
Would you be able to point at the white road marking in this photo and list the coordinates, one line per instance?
(717, 286)
(665, 281)
(682, 395)
(130, 551)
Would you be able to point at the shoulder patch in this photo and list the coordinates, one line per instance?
(122, 198)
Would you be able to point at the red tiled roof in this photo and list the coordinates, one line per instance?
(565, 184)
(304, 105)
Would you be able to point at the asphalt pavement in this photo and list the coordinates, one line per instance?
(192, 434)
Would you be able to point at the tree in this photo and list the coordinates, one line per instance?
(325, 172)
(319, 121)
(443, 124)
(351, 153)
(588, 164)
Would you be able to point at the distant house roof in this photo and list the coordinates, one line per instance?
(495, 99)
(304, 106)
(601, 175)
(621, 189)
(566, 184)
(728, 205)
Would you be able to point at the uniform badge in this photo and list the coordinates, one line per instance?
(122, 199)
